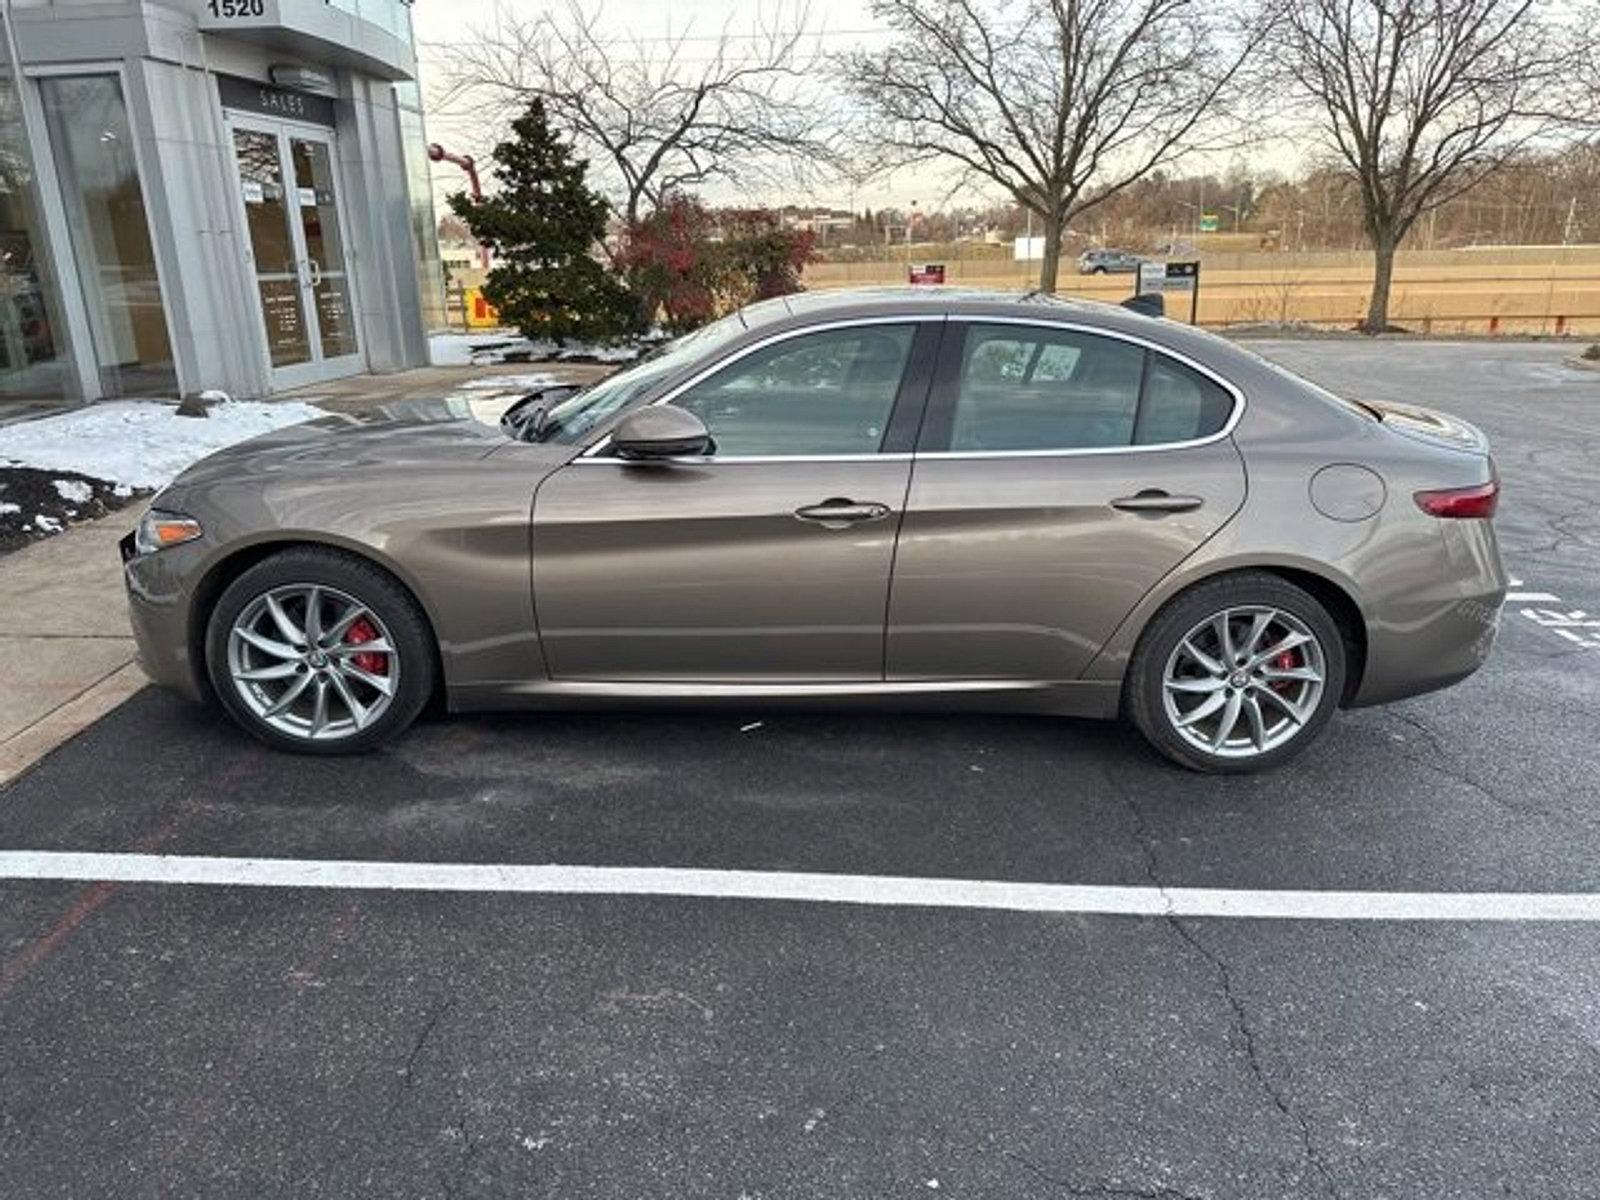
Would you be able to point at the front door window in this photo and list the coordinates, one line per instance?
(818, 394)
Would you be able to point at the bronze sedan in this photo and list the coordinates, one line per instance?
(893, 498)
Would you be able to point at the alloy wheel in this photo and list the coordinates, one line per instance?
(1244, 681)
(313, 662)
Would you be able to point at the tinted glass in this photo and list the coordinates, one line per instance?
(1179, 404)
(570, 420)
(1026, 388)
(821, 393)
(93, 148)
(30, 353)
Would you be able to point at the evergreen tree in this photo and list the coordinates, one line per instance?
(543, 223)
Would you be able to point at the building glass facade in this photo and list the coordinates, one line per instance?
(31, 364)
(201, 197)
(97, 174)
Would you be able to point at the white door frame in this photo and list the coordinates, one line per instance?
(316, 368)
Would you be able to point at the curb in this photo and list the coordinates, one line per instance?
(27, 746)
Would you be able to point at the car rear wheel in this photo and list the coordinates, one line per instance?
(1238, 674)
(317, 651)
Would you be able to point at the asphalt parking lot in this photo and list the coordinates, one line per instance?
(167, 1040)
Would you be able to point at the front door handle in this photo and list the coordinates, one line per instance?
(1154, 500)
(838, 512)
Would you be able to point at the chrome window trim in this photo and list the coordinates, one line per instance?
(590, 453)
(1226, 431)
(707, 460)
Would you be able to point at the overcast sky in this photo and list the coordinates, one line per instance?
(839, 24)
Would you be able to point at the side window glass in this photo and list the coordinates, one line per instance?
(1031, 388)
(820, 393)
(1179, 404)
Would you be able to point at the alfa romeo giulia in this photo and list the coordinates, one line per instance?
(882, 498)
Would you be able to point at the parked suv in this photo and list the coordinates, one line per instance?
(1108, 262)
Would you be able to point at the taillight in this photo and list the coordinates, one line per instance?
(1476, 502)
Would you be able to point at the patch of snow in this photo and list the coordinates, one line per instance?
(45, 523)
(510, 383)
(74, 490)
(122, 491)
(139, 443)
(7, 508)
(216, 396)
(457, 349)
(480, 349)
(605, 354)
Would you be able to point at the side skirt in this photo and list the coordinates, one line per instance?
(1096, 699)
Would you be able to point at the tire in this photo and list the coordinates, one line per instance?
(375, 675)
(1098, 271)
(1173, 675)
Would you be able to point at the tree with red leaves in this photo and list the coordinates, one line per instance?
(687, 263)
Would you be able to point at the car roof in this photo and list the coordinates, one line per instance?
(895, 300)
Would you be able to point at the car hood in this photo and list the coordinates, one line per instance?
(404, 437)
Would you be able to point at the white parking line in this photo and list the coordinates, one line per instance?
(1524, 597)
(805, 887)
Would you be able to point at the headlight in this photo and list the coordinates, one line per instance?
(160, 529)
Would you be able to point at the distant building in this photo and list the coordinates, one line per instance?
(817, 220)
(200, 194)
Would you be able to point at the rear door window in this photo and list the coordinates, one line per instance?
(1179, 404)
(1020, 388)
(1028, 388)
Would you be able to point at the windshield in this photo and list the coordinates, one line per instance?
(574, 417)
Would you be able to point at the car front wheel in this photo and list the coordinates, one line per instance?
(1238, 674)
(318, 651)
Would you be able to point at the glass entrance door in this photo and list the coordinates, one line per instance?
(297, 251)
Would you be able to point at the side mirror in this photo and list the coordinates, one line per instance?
(1149, 304)
(660, 431)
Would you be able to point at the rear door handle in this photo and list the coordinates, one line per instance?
(838, 512)
(1154, 500)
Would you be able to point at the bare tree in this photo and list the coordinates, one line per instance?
(1062, 103)
(655, 115)
(1420, 100)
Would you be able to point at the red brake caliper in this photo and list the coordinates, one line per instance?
(1287, 661)
(370, 661)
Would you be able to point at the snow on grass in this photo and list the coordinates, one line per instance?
(139, 444)
(74, 490)
(510, 383)
(476, 349)
(7, 508)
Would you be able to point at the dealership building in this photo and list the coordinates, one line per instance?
(196, 194)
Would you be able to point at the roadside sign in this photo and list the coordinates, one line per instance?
(480, 314)
(1027, 249)
(1209, 223)
(926, 273)
(1163, 277)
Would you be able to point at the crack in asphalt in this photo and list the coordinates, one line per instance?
(1241, 1019)
(1440, 763)
(452, 1180)
(407, 1070)
(1097, 1191)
